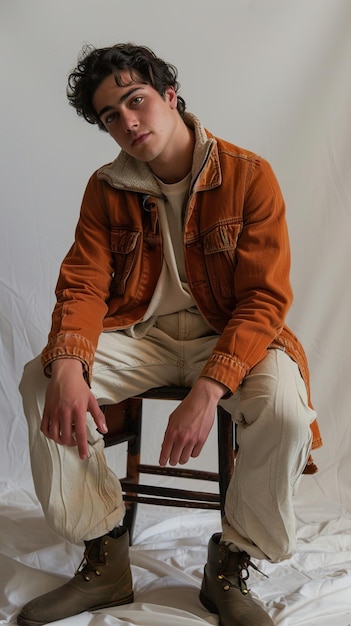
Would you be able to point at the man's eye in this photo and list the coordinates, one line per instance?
(110, 118)
(137, 100)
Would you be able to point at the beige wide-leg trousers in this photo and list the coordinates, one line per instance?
(82, 499)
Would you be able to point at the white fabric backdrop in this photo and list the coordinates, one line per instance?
(272, 76)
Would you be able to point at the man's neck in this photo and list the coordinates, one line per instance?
(180, 159)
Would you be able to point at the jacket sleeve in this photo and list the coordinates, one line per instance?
(262, 290)
(83, 286)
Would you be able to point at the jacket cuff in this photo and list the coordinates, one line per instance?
(226, 370)
(69, 346)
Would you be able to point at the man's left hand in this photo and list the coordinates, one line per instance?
(190, 423)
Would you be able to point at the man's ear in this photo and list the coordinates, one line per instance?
(171, 96)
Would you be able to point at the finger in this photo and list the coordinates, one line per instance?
(184, 455)
(51, 429)
(67, 432)
(166, 450)
(98, 416)
(81, 438)
(196, 450)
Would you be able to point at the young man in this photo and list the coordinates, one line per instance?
(178, 275)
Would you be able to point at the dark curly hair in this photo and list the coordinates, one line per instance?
(94, 65)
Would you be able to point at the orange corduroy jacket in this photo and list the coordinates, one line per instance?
(236, 251)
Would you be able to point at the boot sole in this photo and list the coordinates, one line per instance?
(22, 621)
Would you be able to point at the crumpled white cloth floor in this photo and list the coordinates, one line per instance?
(168, 555)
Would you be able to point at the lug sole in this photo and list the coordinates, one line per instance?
(22, 621)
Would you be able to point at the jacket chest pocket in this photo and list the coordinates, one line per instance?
(125, 245)
(219, 246)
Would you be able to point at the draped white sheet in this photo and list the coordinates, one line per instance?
(274, 77)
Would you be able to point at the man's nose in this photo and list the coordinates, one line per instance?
(129, 121)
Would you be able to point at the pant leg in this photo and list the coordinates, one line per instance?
(83, 499)
(273, 428)
(80, 499)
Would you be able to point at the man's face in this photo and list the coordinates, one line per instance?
(141, 121)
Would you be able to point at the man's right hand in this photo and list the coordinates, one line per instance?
(68, 399)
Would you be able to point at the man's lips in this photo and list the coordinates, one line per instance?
(138, 139)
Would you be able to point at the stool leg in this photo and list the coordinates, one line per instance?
(132, 424)
(225, 452)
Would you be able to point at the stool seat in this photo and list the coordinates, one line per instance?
(124, 421)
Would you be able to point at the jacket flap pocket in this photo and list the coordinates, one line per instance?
(221, 238)
(123, 241)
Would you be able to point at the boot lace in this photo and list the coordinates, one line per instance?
(88, 565)
(243, 574)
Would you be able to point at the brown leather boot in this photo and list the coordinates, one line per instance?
(102, 579)
(224, 589)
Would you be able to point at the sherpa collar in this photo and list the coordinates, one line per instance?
(128, 173)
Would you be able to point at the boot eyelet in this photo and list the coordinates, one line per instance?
(226, 587)
(245, 591)
(97, 572)
(87, 578)
(106, 553)
(105, 542)
(220, 577)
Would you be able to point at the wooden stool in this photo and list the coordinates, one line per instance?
(124, 421)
